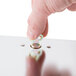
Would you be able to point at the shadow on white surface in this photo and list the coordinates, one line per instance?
(12, 55)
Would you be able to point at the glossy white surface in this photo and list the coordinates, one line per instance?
(12, 55)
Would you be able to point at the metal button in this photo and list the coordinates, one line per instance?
(35, 46)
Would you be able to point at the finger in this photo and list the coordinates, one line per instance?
(46, 29)
(36, 25)
(33, 66)
(72, 7)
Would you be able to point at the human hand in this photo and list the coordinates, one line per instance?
(34, 68)
(41, 9)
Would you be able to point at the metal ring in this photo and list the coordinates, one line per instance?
(35, 46)
(35, 43)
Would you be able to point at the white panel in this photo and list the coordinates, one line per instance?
(12, 55)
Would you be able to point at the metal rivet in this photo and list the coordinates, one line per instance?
(35, 46)
(48, 46)
(23, 45)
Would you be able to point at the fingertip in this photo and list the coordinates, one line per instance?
(31, 35)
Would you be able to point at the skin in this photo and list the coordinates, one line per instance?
(41, 9)
(38, 24)
(34, 68)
